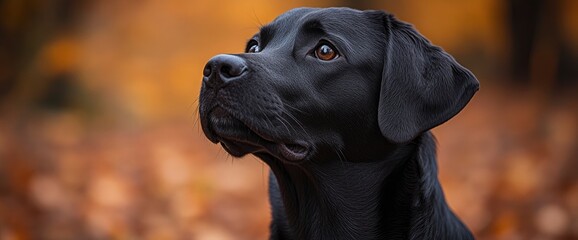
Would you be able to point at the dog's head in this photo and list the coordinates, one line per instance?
(330, 83)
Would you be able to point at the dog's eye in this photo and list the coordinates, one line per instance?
(325, 52)
(253, 47)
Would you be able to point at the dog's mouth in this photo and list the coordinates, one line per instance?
(239, 138)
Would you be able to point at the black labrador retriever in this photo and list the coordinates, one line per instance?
(338, 103)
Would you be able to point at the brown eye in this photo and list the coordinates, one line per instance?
(325, 52)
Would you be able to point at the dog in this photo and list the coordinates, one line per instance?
(339, 103)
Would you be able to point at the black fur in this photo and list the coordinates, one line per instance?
(347, 140)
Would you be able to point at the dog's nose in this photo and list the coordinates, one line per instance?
(224, 68)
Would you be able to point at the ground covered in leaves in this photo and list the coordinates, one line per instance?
(508, 165)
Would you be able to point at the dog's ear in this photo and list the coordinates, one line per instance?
(422, 86)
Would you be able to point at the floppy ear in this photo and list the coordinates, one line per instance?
(422, 86)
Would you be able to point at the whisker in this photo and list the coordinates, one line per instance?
(295, 108)
(195, 114)
(283, 121)
(266, 117)
(196, 121)
(257, 18)
(218, 154)
(340, 154)
(296, 121)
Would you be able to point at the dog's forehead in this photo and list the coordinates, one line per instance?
(303, 14)
(332, 20)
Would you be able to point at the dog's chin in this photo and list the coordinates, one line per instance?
(239, 139)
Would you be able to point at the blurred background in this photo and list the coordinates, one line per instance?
(100, 139)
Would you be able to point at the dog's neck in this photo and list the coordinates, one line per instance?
(370, 200)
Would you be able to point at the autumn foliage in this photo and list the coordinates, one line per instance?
(99, 133)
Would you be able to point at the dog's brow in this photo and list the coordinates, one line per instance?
(266, 33)
(313, 25)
